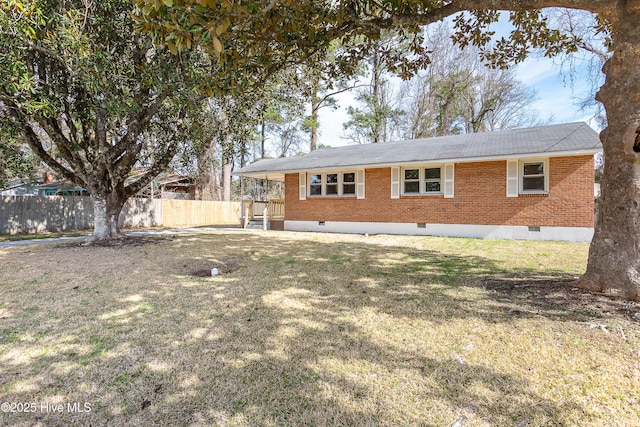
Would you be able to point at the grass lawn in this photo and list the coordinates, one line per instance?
(40, 236)
(313, 329)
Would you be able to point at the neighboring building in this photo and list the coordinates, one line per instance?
(534, 183)
(56, 188)
(19, 187)
(166, 185)
(45, 186)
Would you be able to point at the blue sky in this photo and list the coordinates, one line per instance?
(555, 96)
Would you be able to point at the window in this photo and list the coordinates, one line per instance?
(349, 183)
(432, 180)
(315, 185)
(332, 184)
(534, 177)
(412, 181)
(422, 181)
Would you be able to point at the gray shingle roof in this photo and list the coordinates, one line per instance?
(563, 139)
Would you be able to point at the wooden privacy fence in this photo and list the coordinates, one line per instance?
(36, 214)
(180, 213)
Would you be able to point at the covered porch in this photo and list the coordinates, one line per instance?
(263, 209)
(263, 214)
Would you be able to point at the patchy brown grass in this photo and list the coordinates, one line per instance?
(40, 236)
(313, 329)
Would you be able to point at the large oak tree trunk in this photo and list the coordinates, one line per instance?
(106, 212)
(614, 255)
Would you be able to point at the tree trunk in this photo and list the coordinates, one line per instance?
(226, 178)
(614, 255)
(208, 180)
(315, 106)
(314, 126)
(375, 87)
(106, 212)
(263, 139)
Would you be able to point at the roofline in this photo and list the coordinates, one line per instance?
(572, 153)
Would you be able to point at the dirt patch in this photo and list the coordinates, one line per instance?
(563, 292)
(224, 267)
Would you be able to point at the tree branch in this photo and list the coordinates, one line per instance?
(51, 54)
(457, 6)
(337, 92)
(50, 126)
(134, 127)
(157, 167)
(35, 143)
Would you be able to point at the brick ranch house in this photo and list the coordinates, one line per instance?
(534, 183)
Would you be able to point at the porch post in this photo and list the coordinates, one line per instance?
(265, 212)
(264, 218)
(242, 199)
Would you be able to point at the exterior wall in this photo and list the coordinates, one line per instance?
(505, 232)
(276, 224)
(480, 198)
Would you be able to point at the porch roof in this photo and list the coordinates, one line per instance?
(569, 139)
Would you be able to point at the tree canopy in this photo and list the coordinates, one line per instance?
(94, 98)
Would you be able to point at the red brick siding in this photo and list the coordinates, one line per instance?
(480, 198)
(276, 224)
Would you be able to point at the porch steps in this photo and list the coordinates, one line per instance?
(255, 224)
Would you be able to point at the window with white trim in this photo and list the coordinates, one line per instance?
(348, 183)
(534, 176)
(315, 184)
(332, 184)
(421, 180)
(432, 180)
(411, 181)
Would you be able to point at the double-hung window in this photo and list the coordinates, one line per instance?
(348, 183)
(432, 180)
(534, 176)
(315, 184)
(332, 184)
(411, 183)
(422, 180)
